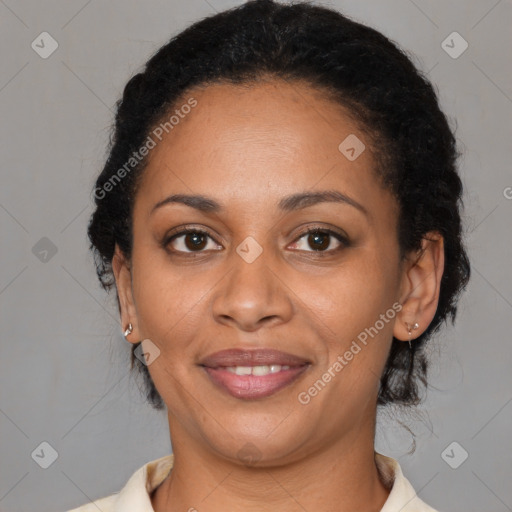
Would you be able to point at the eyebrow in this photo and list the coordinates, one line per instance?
(289, 203)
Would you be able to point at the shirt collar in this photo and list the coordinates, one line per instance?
(402, 496)
(135, 495)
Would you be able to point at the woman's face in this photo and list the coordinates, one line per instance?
(257, 281)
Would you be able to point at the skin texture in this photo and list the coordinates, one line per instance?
(247, 148)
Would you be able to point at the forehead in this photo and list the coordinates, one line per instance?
(242, 142)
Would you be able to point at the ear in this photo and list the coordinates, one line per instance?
(420, 287)
(122, 274)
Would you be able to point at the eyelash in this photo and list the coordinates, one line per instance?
(310, 231)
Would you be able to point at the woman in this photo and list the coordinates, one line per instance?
(280, 216)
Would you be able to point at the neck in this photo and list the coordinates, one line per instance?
(345, 469)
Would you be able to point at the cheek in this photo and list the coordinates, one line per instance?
(169, 313)
(351, 297)
(167, 300)
(347, 307)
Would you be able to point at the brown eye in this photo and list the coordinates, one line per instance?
(189, 240)
(319, 240)
(195, 241)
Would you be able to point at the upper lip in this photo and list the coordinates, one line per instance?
(255, 357)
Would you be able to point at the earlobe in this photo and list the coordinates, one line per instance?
(421, 285)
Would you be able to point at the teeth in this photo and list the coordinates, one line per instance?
(263, 370)
(243, 370)
(256, 370)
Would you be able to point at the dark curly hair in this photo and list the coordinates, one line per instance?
(350, 63)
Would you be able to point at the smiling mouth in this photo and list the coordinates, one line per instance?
(253, 374)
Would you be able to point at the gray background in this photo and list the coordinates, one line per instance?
(64, 375)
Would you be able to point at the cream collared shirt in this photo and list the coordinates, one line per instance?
(135, 495)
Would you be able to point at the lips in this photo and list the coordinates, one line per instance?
(251, 374)
(256, 357)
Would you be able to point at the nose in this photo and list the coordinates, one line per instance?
(252, 295)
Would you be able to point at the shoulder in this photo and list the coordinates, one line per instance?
(135, 495)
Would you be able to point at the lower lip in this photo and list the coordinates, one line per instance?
(253, 386)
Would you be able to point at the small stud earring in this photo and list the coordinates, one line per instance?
(129, 330)
(415, 326)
